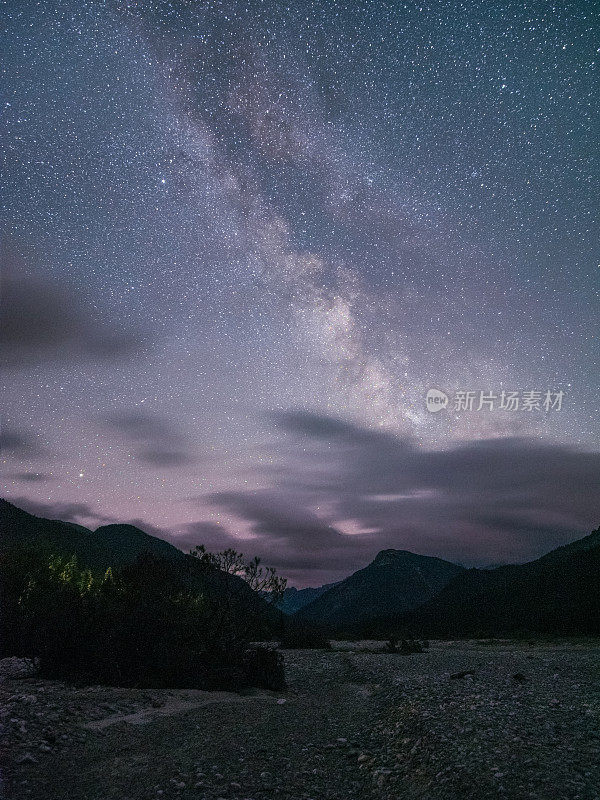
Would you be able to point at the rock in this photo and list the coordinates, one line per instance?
(26, 758)
(519, 677)
(462, 674)
(14, 667)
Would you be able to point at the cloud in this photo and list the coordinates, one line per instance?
(212, 535)
(29, 477)
(44, 321)
(478, 502)
(294, 540)
(159, 444)
(67, 512)
(164, 458)
(282, 523)
(151, 530)
(17, 442)
(385, 463)
(328, 428)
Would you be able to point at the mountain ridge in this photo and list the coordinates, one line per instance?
(119, 545)
(557, 593)
(395, 579)
(111, 545)
(294, 599)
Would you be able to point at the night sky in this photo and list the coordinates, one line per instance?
(243, 240)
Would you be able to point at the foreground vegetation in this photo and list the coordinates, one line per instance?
(145, 624)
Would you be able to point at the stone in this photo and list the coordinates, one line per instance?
(26, 758)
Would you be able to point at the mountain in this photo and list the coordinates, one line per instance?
(295, 599)
(587, 543)
(107, 546)
(119, 545)
(394, 582)
(558, 593)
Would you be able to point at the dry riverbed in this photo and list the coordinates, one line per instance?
(505, 720)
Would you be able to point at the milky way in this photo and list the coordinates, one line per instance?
(242, 241)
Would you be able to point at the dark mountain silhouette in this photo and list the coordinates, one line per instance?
(394, 582)
(108, 546)
(558, 593)
(158, 618)
(295, 599)
(590, 542)
(118, 546)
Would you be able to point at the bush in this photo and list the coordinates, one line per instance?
(141, 626)
(264, 666)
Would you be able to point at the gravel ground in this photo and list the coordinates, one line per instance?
(522, 723)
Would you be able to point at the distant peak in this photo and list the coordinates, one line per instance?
(121, 528)
(391, 556)
(386, 556)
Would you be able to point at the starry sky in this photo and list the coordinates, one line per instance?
(242, 240)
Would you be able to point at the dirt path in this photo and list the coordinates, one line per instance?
(172, 708)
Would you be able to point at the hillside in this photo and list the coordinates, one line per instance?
(558, 593)
(295, 599)
(118, 546)
(395, 582)
(107, 546)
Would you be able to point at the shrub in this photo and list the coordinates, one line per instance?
(143, 625)
(264, 667)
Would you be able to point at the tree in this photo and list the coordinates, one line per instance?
(263, 580)
(149, 623)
